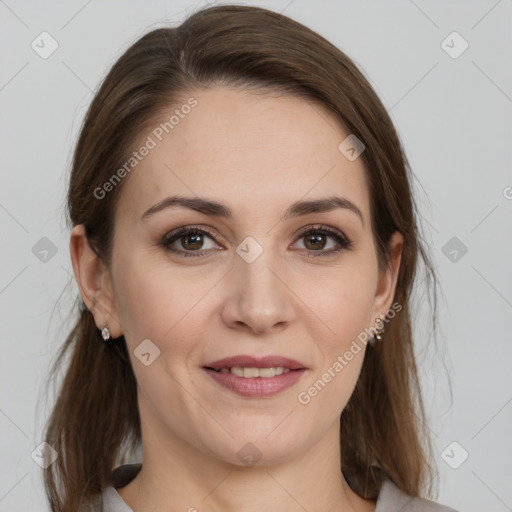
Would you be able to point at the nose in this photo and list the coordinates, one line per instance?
(258, 298)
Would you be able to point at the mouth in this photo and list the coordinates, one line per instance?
(252, 363)
(253, 377)
(251, 372)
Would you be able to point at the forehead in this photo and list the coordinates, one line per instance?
(251, 150)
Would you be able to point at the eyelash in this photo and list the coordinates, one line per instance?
(341, 239)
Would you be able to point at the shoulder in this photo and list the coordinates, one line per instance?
(391, 498)
(123, 475)
(112, 502)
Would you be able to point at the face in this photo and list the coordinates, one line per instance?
(202, 285)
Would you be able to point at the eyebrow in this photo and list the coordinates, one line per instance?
(216, 209)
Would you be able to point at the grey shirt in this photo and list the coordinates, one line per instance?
(390, 499)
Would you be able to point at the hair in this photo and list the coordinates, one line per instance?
(95, 421)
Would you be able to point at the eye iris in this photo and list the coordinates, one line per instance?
(196, 243)
(316, 241)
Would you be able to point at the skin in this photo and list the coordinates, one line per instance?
(256, 153)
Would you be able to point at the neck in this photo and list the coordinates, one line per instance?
(177, 475)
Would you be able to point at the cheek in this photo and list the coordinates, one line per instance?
(158, 302)
(163, 303)
(343, 304)
(344, 311)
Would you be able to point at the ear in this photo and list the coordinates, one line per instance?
(388, 278)
(94, 280)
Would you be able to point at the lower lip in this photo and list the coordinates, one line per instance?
(256, 387)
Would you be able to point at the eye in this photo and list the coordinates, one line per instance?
(316, 239)
(189, 240)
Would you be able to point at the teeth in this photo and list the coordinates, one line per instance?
(250, 373)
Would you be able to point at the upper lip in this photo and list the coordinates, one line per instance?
(246, 361)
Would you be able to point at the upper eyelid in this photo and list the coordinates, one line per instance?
(183, 230)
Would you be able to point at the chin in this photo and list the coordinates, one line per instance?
(258, 446)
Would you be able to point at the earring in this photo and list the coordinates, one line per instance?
(379, 331)
(105, 333)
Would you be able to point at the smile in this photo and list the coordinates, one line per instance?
(250, 373)
(255, 382)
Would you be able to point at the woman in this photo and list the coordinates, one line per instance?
(245, 244)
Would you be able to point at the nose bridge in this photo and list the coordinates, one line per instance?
(256, 276)
(260, 299)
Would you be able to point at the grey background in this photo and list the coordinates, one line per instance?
(454, 117)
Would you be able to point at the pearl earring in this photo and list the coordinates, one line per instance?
(379, 331)
(105, 333)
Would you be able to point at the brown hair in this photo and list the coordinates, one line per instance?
(95, 421)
